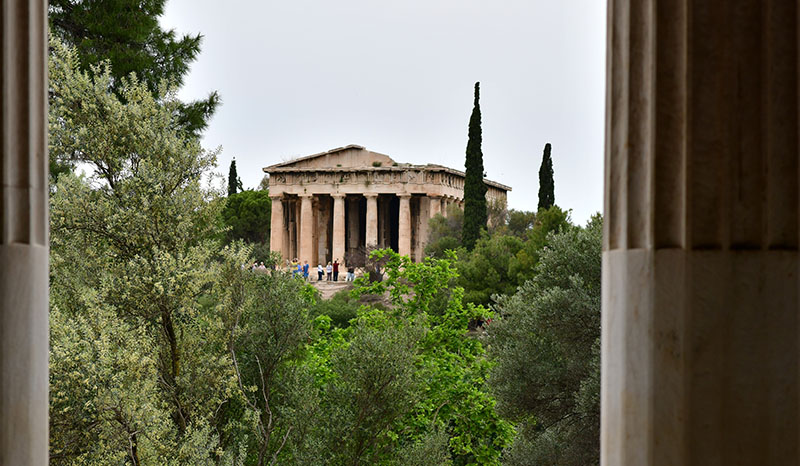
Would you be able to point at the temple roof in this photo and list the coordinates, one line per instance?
(356, 158)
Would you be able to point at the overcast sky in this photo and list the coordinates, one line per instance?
(299, 77)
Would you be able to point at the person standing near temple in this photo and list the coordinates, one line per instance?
(305, 271)
(320, 271)
(329, 269)
(351, 274)
(336, 270)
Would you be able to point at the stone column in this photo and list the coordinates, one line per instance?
(700, 263)
(338, 246)
(422, 228)
(372, 220)
(445, 205)
(435, 205)
(277, 229)
(306, 249)
(404, 226)
(23, 234)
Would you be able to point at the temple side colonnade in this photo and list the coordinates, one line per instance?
(339, 203)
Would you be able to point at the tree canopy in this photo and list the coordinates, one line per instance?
(546, 348)
(248, 215)
(127, 35)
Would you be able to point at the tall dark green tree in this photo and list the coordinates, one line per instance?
(547, 194)
(127, 34)
(234, 184)
(474, 187)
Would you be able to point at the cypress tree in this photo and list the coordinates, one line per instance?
(547, 195)
(474, 187)
(233, 179)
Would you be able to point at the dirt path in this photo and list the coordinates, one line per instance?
(328, 289)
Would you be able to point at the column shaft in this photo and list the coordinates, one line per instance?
(435, 204)
(338, 228)
(277, 228)
(306, 229)
(372, 220)
(23, 234)
(700, 264)
(404, 227)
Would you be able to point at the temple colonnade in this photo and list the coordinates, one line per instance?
(321, 227)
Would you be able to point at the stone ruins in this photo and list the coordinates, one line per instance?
(333, 204)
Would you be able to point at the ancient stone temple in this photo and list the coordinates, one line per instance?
(333, 204)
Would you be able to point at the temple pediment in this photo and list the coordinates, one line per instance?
(350, 156)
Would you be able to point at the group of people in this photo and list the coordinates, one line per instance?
(257, 267)
(331, 271)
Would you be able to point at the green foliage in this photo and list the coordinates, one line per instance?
(474, 188)
(341, 308)
(546, 349)
(127, 35)
(444, 233)
(375, 385)
(451, 363)
(520, 222)
(547, 196)
(552, 220)
(486, 270)
(136, 366)
(269, 327)
(247, 214)
(502, 262)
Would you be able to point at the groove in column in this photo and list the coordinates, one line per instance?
(23, 171)
(669, 178)
(747, 126)
(640, 109)
(616, 126)
(780, 123)
(710, 80)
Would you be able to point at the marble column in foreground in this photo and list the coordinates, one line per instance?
(23, 234)
(372, 220)
(306, 249)
(404, 226)
(700, 265)
(338, 246)
(277, 228)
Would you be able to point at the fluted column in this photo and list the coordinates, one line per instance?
(404, 226)
(338, 247)
(306, 229)
(277, 228)
(23, 234)
(700, 263)
(435, 204)
(372, 220)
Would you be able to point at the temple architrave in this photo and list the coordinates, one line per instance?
(333, 204)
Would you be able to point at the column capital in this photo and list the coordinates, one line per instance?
(306, 195)
(276, 196)
(370, 194)
(338, 195)
(404, 195)
(434, 196)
